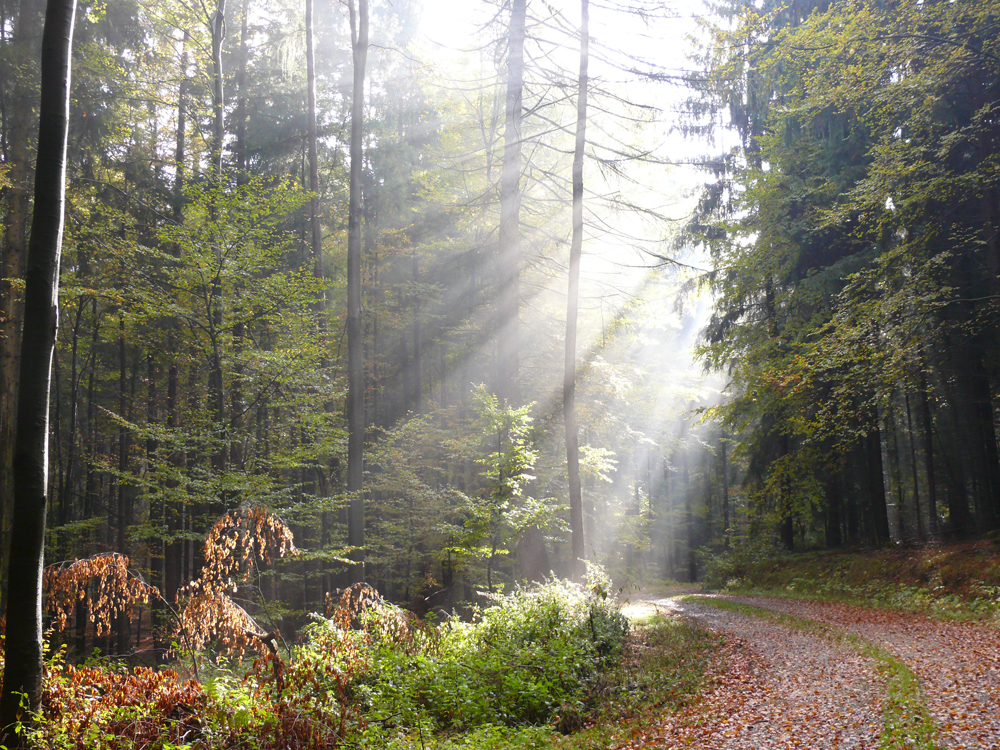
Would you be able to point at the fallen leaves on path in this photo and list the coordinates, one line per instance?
(958, 663)
(774, 688)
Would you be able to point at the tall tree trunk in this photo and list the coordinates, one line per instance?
(928, 430)
(723, 447)
(875, 481)
(241, 88)
(20, 127)
(316, 229)
(216, 393)
(355, 352)
(23, 647)
(890, 478)
(785, 507)
(66, 491)
(316, 243)
(578, 548)
(181, 139)
(509, 250)
(122, 624)
(418, 385)
(912, 439)
(173, 553)
(236, 405)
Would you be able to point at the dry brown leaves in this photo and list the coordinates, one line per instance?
(238, 542)
(774, 688)
(94, 702)
(117, 589)
(958, 663)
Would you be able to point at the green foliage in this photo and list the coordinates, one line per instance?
(500, 513)
(960, 582)
(535, 664)
(524, 658)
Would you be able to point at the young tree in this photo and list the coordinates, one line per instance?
(23, 647)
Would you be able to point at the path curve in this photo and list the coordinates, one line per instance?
(775, 688)
(958, 663)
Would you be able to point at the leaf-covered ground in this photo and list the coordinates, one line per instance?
(806, 674)
(775, 687)
(958, 663)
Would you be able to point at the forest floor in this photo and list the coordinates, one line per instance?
(811, 674)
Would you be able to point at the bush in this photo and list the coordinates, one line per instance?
(371, 674)
(525, 658)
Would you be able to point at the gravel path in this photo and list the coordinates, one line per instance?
(958, 663)
(775, 688)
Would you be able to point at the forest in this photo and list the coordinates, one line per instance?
(472, 313)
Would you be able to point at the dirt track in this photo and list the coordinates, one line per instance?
(775, 688)
(778, 687)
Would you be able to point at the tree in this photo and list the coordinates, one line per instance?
(21, 75)
(355, 351)
(572, 304)
(23, 647)
(509, 248)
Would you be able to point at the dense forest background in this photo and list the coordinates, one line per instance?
(826, 232)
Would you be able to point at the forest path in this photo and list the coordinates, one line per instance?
(774, 687)
(957, 663)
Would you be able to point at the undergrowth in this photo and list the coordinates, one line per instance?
(907, 724)
(954, 582)
(553, 665)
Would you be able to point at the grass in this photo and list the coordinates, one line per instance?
(907, 724)
(664, 669)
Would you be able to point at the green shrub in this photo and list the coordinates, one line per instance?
(524, 658)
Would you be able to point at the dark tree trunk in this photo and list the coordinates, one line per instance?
(787, 528)
(122, 626)
(578, 548)
(16, 197)
(173, 562)
(834, 506)
(723, 447)
(355, 351)
(912, 439)
(23, 647)
(65, 492)
(876, 487)
(90, 491)
(928, 430)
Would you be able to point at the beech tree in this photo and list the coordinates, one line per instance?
(22, 678)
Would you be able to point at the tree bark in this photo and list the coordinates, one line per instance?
(355, 354)
(927, 424)
(509, 250)
(216, 392)
(578, 548)
(241, 102)
(723, 446)
(23, 647)
(20, 125)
